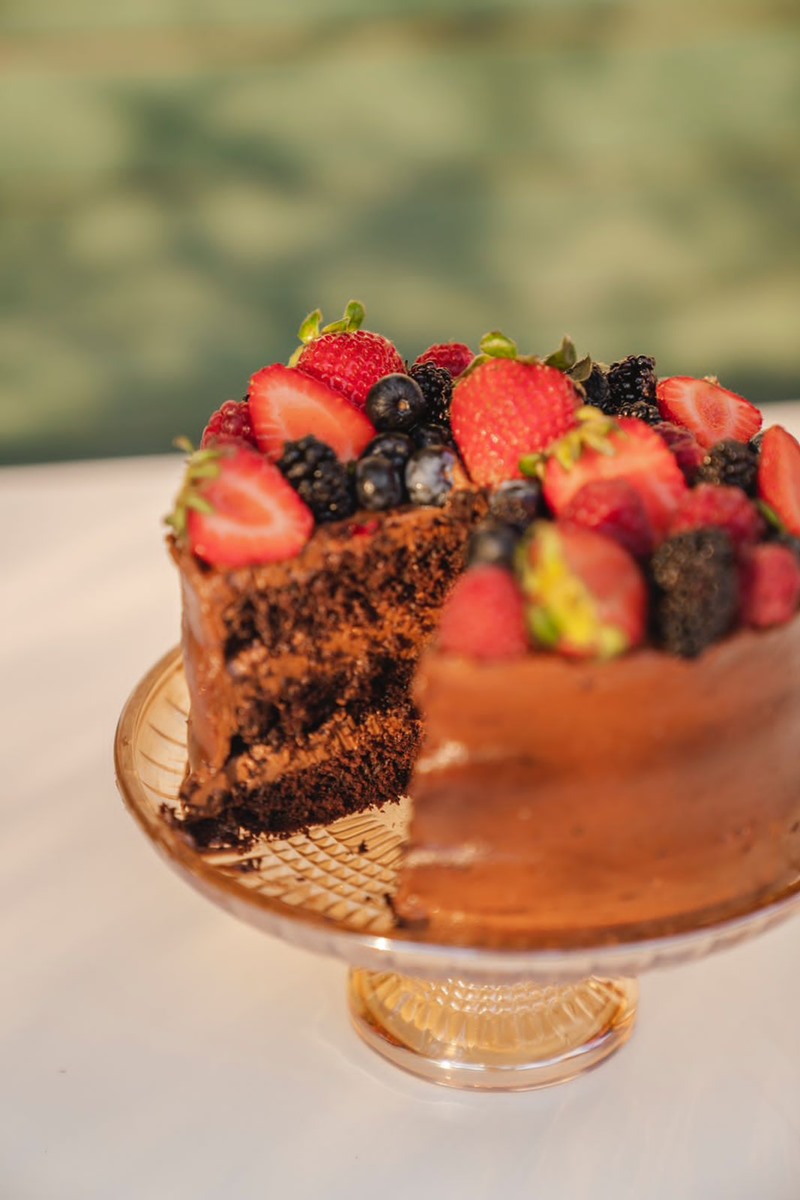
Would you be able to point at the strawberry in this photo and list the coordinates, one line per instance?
(634, 452)
(779, 476)
(708, 409)
(770, 585)
(286, 405)
(455, 357)
(235, 510)
(344, 356)
(484, 616)
(586, 596)
(230, 424)
(615, 509)
(506, 408)
(726, 507)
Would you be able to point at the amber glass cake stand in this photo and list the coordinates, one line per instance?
(466, 1017)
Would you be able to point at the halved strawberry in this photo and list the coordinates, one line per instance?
(586, 596)
(779, 476)
(240, 511)
(506, 408)
(635, 453)
(708, 409)
(286, 405)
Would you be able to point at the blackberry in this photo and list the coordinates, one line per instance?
(398, 447)
(379, 482)
(631, 381)
(642, 411)
(596, 388)
(432, 435)
(696, 590)
(731, 464)
(436, 384)
(517, 503)
(429, 475)
(396, 402)
(319, 479)
(493, 542)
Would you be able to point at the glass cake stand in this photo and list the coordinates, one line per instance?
(466, 1017)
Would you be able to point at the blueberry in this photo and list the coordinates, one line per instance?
(517, 502)
(432, 435)
(379, 482)
(397, 447)
(493, 542)
(429, 475)
(396, 402)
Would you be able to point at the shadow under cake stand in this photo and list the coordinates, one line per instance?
(461, 1016)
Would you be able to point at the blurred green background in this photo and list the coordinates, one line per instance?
(181, 182)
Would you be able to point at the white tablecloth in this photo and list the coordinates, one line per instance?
(153, 1047)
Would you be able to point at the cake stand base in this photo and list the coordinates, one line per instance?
(504, 1037)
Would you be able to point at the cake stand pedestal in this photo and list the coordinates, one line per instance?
(467, 1017)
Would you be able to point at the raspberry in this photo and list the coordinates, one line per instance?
(230, 425)
(697, 590)
(615, 509)
(319, 478)
(455, 357)
(484, 616)
(731, 464)
(684, 445)
(770, 585)
(726, 507)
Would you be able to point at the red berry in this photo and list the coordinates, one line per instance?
(639, 456)
(286, 405)
(689, 454)
(230, 425)
(769, 585)
(779, 476)
(249, 514)
(586, 596)
(615, 509)
(708, 409)
(726, 507)
(350, 362)
(507, 408)
(484, 616)
(455, 357)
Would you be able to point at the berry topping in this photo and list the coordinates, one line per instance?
(455, 357)
(379, 482)
(319, 478)
(396, 403)
(396, 446)
(493, 542)
(731, 464)
(229, 425)
(586, 596)
(484, 616)
(430, 475)
(632, 381)
(517, 503)
(634, 452)
(708, 409)
(286, 405)
(684, 445)
(506, 408)
(236, 509)
(344, 356)
(432, 435)
(726, 507)
(779, 476)
(615, 509)
(697, 590)
(770, 585)
(437, 388)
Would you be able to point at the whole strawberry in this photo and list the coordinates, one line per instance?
(455, 357)
(484, 616)
(586, 596)
(507, 407)
(344, 356)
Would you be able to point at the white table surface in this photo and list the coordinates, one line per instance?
(153, 1047)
